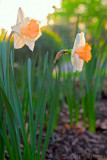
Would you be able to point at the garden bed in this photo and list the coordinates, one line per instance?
(76, 142)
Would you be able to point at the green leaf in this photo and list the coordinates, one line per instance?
(12, 121)
(4, 60)
(19, 113)
(31, 121)
(45, 63)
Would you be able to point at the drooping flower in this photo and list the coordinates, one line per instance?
(26, 31)
(81, 52)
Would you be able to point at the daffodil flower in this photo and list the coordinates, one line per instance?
(81, 52)
(26, 31)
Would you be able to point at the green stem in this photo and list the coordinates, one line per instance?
(65, 51)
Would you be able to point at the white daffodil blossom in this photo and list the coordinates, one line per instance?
(80, 52)
(26, 31)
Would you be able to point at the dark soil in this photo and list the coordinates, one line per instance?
(76, 142)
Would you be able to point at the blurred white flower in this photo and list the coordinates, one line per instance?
(26, 31)
(81, 52)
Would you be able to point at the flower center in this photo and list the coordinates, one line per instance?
(84, 52)
(31, 30)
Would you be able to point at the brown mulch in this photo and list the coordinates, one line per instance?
(76, 142)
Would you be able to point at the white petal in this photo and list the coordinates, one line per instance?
(82, 40)
(38, 36)
(18, 41)
(80, 65)
(38, 22)
(25, 40)
(30, 44)
(75, 61)
(25, 22)
(79, 41)
(20, 16)
(76, 43)
(16, 28)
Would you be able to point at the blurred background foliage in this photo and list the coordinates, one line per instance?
(79, 15)
(88, 11)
